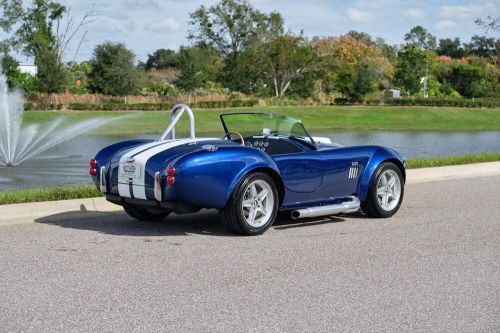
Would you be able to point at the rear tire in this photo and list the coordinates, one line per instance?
(385, 192)
(253, 205)
(144, 214)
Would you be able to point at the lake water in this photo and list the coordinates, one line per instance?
(67, 164)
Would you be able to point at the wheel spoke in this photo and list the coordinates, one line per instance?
(392, 181)
(380, 191)
(383, 179)
(247, 203)
(385, 200)
(253, 191)
(252, 214)
(262, 195)
(263, 210)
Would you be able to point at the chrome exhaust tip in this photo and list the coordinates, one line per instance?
(350, 206)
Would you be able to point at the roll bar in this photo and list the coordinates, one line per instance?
(176, 114)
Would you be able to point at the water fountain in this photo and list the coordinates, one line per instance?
(19, 144)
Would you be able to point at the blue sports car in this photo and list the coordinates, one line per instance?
(264, 163)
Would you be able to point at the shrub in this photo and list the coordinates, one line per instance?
(340, 100)
(456, 102)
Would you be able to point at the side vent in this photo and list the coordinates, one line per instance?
(353, 170)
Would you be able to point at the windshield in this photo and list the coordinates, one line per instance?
(264, 124)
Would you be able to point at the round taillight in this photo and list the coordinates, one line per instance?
(171, 171)
(93, 172)
(93, 163)
(170, 180)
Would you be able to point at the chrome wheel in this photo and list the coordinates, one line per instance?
(258, 203)
(388, 190)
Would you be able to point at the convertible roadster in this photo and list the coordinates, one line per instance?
(264, 163)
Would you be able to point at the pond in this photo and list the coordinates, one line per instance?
(67, 164)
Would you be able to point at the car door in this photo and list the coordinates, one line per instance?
(301, 172)
(342, 168)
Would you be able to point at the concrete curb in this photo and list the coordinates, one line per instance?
(415, 176)
(30, 212)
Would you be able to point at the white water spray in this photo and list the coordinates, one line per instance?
(19, 144)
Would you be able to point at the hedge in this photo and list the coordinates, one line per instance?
(42, 106)
(467, 103)
(162, 106)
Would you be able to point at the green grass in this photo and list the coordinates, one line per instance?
(89, 191)
(451, 160)
(49, 194)
(315, 118)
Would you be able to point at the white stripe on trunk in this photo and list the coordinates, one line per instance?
(141, 159)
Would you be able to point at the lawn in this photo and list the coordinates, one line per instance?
(315, 118)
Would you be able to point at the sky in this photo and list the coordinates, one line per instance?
(147, 25)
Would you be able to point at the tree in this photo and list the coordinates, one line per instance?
(113, 70)
(198, 66)
(421, 38)
(37, 30)
(363, 37)
(162, 59)
(489, 23)
(481, 46)
(351, 67)
(51, 73)
(283, 60)
(411, 68)
(451, 48)
(79, 77)
(232, 27)
(10, 67)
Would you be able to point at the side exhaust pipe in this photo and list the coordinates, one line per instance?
(350, 206)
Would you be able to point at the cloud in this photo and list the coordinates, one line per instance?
(112, 25)
(468, 11)
(359, 15)
(169, 24)
(413, 13)
(445, 25)
(141, 5)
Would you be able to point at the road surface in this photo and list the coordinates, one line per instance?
(435, 266)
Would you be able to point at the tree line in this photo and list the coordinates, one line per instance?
(234, 47)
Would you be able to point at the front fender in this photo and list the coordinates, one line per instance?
(380, 155)
(207, 178)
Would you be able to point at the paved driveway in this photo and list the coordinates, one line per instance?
(435, 266)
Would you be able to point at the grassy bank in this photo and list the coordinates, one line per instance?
(89, 191)
(49, 194)
(451, 160)
(315, 118)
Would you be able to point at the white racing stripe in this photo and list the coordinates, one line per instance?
(141, 159)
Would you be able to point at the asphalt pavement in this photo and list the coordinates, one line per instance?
(435, 266)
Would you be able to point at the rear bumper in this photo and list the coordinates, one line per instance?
(176, 207)
(116, 199)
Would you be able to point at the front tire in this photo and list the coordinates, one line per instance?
(253, 205)
(144, 214)
(385, 192)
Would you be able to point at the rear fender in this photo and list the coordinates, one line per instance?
(207, 178)
(105, 155)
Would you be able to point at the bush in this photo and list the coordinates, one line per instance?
(372, 101)
(340, 100)
(456, 102)
(41, 106)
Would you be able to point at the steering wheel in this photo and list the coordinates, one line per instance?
(238, 134)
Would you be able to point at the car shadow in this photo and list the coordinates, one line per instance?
(205, 222)
(284, 221)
